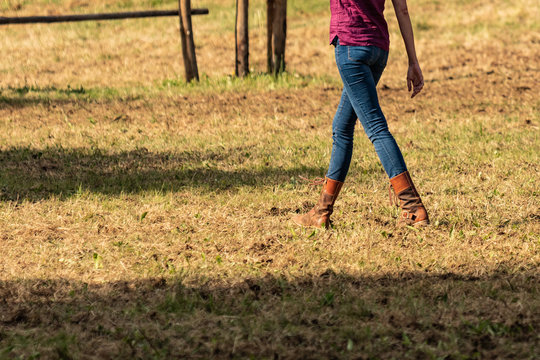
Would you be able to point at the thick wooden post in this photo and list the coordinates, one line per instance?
(242, 38)
(277, 35)
(186, 35)
(280, 35)
(269, 35)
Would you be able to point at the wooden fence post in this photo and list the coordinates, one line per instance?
(186, 36)
(241, 36)
(280, 35)
(269, 35)
(277, 35)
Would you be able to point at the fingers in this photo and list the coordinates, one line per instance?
(417, 88)
(415, 80)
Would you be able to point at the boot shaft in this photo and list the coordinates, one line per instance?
(413, 210)
(319, 216)
(329, 194)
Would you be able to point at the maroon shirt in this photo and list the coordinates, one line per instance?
(359, 23)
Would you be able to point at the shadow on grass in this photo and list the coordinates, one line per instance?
(21, 102)
(20, 97)
(324, 316)
(35, 174)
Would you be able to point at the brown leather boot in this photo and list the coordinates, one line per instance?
(319, 216)
(413, 211)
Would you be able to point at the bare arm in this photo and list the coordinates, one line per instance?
(415, 79)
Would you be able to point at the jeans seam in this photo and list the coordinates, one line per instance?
(337, 57)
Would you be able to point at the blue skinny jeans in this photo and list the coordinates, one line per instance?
(361, 68)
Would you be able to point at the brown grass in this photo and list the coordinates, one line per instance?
(144, 218)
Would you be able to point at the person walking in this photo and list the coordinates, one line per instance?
(359, 34)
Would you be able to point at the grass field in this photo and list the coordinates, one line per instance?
(141, 217)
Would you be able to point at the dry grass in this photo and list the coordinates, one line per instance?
(144, 218)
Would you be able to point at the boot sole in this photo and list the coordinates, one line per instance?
(307, 226)
(419, 224)
(422, 223)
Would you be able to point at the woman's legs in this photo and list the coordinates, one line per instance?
(360, 69)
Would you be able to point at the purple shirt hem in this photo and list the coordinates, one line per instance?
(359, 23)
(385, 45)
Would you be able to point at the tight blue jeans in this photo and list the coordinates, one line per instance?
(361, 68)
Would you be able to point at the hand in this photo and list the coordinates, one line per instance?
(415, 79)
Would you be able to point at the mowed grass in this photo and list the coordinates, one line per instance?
(141, 217)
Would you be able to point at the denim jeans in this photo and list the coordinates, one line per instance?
(361, 68)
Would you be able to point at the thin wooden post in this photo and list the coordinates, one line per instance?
(242, 38)
(280, 35)
(269, 35)
(186, 36)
